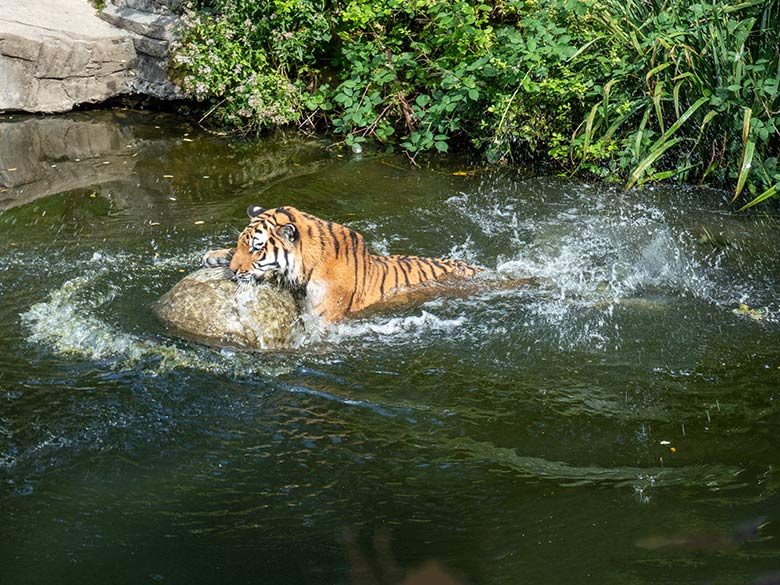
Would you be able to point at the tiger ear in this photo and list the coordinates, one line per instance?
(289, 232)
(254, 210)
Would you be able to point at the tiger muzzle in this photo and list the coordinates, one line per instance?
(243, 276)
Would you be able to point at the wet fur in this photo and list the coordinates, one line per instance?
(327, 264)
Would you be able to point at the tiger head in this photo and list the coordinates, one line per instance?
(269, 246)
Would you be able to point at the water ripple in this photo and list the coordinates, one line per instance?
(705, 476)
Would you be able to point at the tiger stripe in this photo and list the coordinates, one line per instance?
(328, 262)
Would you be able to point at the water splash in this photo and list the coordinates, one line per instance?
(608, 258)
(592, 257)
(390, 329)
(69, 324)
(592, 254)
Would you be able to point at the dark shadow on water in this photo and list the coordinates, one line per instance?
(374, 563)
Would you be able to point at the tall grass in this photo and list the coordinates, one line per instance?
(696, 93)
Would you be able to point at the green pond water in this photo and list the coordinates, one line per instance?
(618, 423)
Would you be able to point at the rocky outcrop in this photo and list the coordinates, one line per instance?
(152, 25)
(59, 54)
(55, 57)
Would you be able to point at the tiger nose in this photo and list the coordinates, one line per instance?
(235, 265)
(240, 273)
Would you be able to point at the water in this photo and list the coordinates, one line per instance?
(615, 423)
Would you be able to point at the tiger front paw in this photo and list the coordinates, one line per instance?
(215, 258)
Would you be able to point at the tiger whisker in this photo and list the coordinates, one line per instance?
(244, 287)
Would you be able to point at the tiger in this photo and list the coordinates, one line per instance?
(326, 265)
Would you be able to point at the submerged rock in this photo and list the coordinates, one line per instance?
(209, 307)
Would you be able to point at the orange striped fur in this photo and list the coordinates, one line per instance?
(327, 263)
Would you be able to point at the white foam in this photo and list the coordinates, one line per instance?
(388, 329)
(466, 251)
(69, 324)
(590, 254)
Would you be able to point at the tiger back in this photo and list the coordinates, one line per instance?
(327, 264)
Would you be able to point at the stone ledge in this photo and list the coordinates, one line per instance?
(57, 54)
(153, 6)
(152, 33)
(155, 26)
(53, 60)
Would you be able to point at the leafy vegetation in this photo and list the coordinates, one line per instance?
(695, 94)
(644, 90)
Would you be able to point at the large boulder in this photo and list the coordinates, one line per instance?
(210, 308)
(153, 26)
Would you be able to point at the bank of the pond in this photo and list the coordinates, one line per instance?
(635, 91)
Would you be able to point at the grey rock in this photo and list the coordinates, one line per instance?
(55, 57)
(153, 6)
(58, 54)
(147, 24)
(210, 308)
(152, 26)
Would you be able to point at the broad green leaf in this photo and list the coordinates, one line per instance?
(663, 175)
(588, 130)
(659, 111)
(649, 160)
(655, 70)
(640, 133)
(674, 127)
(747, 115)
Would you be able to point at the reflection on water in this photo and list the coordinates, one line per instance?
(45, 156)
(613, 421)
(706, 541)
(131, 157)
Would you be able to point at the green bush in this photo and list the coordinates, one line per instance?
(620, 88)
(248, 58)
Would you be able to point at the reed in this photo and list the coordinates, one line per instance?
(696, 93)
